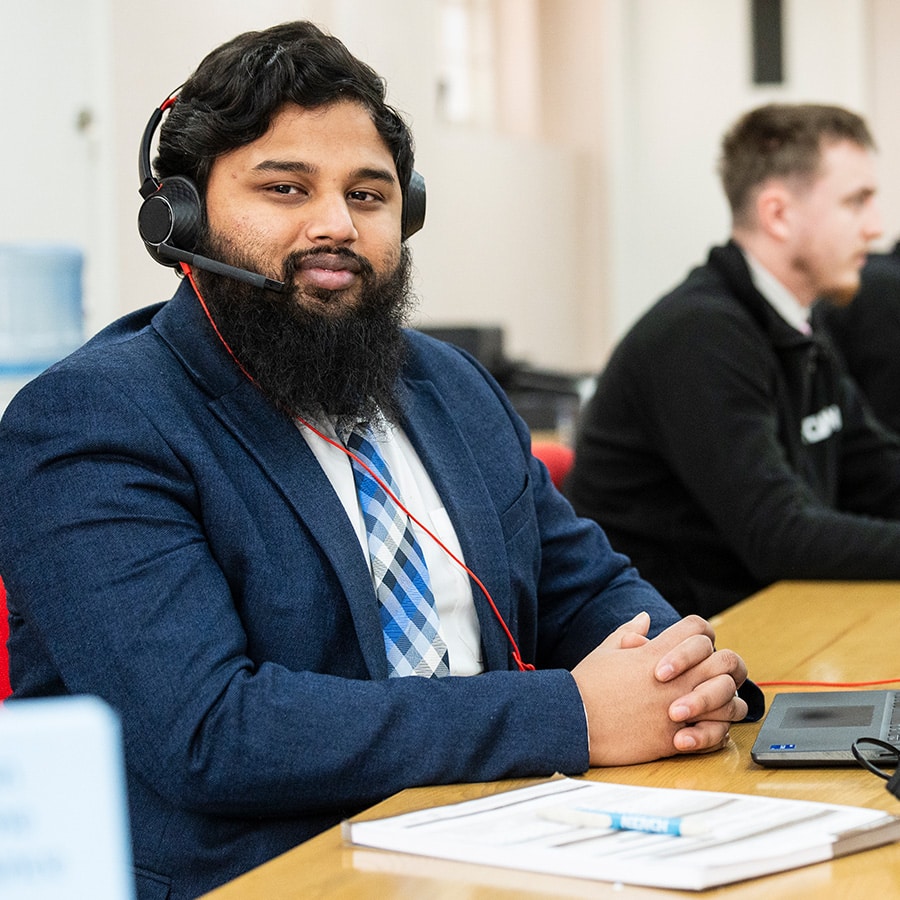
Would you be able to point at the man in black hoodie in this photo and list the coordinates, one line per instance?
(725, 447)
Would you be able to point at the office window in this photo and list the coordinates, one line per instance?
(489, 64)
(466, 83)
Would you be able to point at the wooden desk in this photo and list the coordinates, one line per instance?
(812, 631)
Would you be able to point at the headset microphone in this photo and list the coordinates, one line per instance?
(211, 265)
(170, 217)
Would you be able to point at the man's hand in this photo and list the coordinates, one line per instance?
(646, 699)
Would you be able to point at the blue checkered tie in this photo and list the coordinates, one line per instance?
(409, 618)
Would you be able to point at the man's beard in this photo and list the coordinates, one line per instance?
(837, 293)
(343, 364)
(841, 295)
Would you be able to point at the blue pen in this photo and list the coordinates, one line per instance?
(586, 817)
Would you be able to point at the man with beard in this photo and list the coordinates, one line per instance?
(194, 510)
(725, 448)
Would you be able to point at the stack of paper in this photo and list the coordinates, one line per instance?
(613, 832)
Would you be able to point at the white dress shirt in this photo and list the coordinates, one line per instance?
(451, 586)
(778, 296)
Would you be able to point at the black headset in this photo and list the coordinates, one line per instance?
(170, 216)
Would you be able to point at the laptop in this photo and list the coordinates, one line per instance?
(818, 728)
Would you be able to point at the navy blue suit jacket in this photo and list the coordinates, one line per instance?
(170, 543)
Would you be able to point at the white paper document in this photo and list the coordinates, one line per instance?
(561, 827)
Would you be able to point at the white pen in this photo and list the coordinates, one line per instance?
(587, 817)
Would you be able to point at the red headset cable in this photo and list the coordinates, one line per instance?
(516, 654)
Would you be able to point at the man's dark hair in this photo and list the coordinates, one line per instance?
(231, 97)
(782, 141)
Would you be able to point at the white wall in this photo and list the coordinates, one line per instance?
(882, 72)
(562, 231)
(55, 149)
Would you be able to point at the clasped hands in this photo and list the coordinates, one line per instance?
(650, 698)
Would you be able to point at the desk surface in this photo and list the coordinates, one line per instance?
(811, 631)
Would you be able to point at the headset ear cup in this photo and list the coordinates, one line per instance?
(413, 206)
(172, 216)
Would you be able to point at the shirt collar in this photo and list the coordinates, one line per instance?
(778, 296)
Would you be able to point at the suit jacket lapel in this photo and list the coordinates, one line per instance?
(449, 461)
(274, 442)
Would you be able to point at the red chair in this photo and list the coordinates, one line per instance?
(5, 688)
(557, 457)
